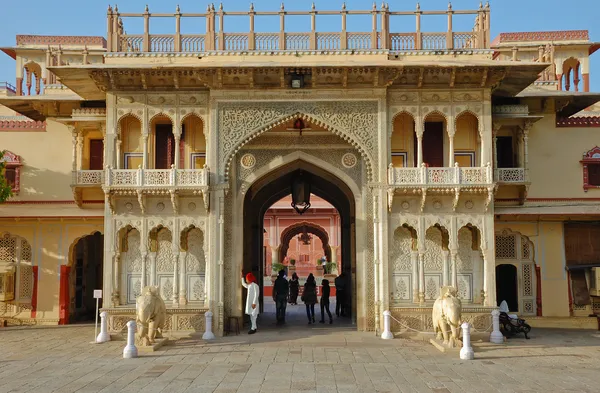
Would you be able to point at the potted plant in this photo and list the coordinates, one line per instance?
(293, 262)
(319, 264)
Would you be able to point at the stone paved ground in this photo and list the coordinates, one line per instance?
(301, 358)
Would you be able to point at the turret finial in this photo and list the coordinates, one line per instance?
(147, 9)
(344, 6)
(418, 6)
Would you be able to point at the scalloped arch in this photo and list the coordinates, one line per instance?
(125, 116)
(436, 112)
(161, 114)
(471, 112)
(293, 230)
(256, 133)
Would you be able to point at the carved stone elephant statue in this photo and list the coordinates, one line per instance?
(151, 314)
(446, 316)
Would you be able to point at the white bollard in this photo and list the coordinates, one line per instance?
(103, 336)
(496, 336)
(208, 334)
(130, 351)
(387, 333)
(466, 352)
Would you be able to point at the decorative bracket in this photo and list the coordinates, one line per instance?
(390, 193)
(78, 196)
(206, 199)
(456, 197)
(490, 196)
(142, 201)
(175, 201)
(108, 198)
(423, 198)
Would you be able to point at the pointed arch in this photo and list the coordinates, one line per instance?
(293, 230)
(354, 121)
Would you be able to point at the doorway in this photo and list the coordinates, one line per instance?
(507, 287)
(165, 147)
(96, 154)
(505, 154)
(433, 144)
(276, 186)
(85, 275)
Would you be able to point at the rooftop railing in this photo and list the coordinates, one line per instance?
(379, 37)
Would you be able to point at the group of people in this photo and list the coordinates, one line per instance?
(285, 291)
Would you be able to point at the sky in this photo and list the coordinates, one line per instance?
(88, 17)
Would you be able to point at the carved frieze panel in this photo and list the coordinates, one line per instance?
(355, 121)
(434, 97)
(464, 96)
(403, 98)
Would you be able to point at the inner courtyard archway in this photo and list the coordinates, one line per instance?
(273, 187)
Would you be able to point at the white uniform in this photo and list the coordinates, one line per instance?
(251, 299)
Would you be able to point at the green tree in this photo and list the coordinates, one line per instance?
(5, 189)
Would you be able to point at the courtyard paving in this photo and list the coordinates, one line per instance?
(296, 358)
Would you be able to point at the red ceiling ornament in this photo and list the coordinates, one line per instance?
(299, 125)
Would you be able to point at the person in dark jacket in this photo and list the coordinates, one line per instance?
(309, 297)
(325, 301)
(294, 289)
(280, 295)
(340, 295)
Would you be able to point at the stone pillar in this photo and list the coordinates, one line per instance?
(152, 256)
(495, 129)
(274, 255)
(75, 134)
(182, 276)
(115, 297)
(175, 278)
(450, 126)
(421, 277)
(145, 153)
(144, 256)
(489, 278)
(525, 145)
(454, 277)
(414, 260)
(118, 154)
(334, 257)
(445, 261)
(177, 152)
(419, 150)
(80, 151)
(586, 82)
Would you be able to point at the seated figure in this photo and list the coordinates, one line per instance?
(511, 324)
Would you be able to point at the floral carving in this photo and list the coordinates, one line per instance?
(164, 256)
(465, 255)
(133, 258)
(400, 289)
(401, 250)
(354, 121)
(198, 290)
(433, 250)
(167, 289)
(196, 262)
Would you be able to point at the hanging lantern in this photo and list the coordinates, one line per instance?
(299, 125)
(305, 238)
(300, 192)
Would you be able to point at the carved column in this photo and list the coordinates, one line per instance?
(421, 277)
(275, 255)
(177, 152)
(495, 129)
(118, 155)
(445, 261)
(80, 151)
(420, 128)
(103, 129)
(334, 257)
(175, 278)
(182, 283)
(75, 134)
(152, 256)
(144, 256)
(451, 132)
(116, 279)
(28, 83)
(145, 153)
(526, 129)
(454, 278)
(414, 261)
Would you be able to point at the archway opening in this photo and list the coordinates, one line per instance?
(84, 277)
(280, 238)
(507, 287)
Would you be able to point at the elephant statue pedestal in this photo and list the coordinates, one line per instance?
(151, 314)
(446, 316)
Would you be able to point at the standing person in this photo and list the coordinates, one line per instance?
(309, 297)
(294, 285)
(280, 296)
(325, 301)
(251, 300)
(340, 294)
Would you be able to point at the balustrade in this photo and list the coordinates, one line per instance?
(511, 175)
(141, 177)
(424, 176)
(380, 36)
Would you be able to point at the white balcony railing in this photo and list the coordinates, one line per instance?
(88, 178)
(142, 177)
(511, 175)
(424, 176)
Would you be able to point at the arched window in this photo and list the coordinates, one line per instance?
(16, 269)
(591, 169)
(12, 170)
